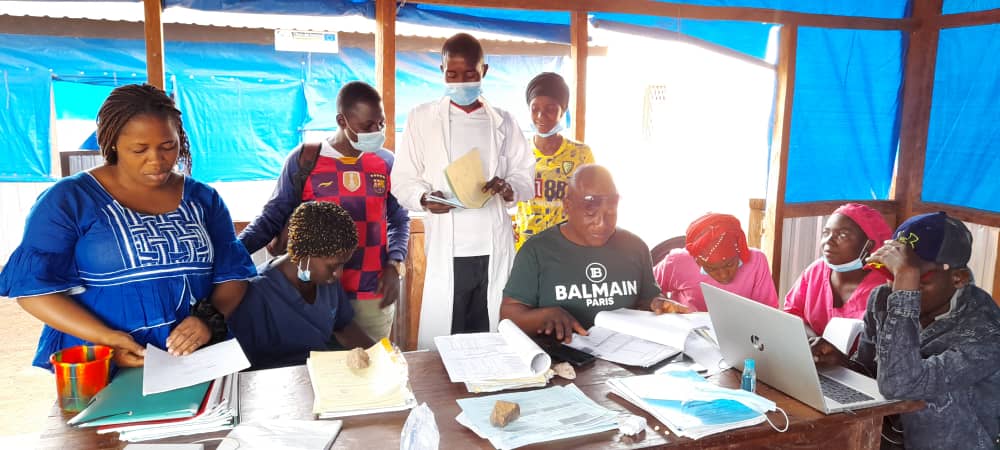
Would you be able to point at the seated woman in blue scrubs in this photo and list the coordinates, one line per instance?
(296, 304)
(121, 254)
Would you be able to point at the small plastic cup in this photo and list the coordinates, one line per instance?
(81, 372)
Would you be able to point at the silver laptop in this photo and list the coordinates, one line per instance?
(777, 342)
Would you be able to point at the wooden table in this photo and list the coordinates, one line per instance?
(287, 393)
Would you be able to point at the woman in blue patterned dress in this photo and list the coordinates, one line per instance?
(119, 255)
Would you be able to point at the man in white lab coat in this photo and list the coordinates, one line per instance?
(469, 251)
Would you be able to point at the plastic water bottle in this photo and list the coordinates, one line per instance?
(749, 381)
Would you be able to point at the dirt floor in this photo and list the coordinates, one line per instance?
(26, 393)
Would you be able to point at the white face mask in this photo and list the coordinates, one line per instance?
(367, 142)
(305, 274)
(850, 266)
(464, 94)
(555, 129)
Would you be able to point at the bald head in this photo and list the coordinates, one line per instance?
(591, 206)
(591, 177)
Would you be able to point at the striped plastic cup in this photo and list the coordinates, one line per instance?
(81, 372)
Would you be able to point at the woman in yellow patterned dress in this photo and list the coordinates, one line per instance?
(556, 156)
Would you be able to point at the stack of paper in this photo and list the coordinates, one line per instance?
(342, 391)
(121, 407)
(170, 395)
(558, 412)
(687, 404)
(641, 338)
(512, 383)
(488, 362)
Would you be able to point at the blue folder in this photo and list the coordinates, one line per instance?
(122, 402)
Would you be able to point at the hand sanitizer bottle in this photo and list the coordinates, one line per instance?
(749, 381)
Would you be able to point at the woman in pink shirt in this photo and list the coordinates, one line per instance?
(835, 284)
(716, 253)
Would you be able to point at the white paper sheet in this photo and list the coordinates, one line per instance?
(621, 348)
(490, 356)
(164, 372)
(842, 332)
(671, 330)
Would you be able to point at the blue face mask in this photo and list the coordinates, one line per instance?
(464, 94)
(305, 274)
(367, 142)
(850, 266)
(556, 129)
(738, 265)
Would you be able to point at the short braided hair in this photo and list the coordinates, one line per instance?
(126, 102)
(320, 229)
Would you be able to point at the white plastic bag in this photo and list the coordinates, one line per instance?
(420, 432)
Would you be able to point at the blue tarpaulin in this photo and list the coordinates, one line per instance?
(24, 124)
(245, 106)
(845, 115)
(963, 140)
(963, 6)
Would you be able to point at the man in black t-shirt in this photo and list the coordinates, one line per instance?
(563, 276)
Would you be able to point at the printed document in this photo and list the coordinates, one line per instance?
(163, 372)
(558, 412)
(507, 354)
(621, 348)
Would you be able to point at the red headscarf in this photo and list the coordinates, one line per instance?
(714, 238)
(869, 220)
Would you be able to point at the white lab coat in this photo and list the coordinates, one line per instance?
(421, 157)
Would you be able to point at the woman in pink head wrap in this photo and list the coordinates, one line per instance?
(835, 284)
(715, 252)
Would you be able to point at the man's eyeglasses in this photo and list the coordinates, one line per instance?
(592, 203)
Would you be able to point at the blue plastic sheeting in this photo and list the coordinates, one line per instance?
(749, 38)
(553, 27)
(892, 9)
(24, 124)
(304, 7)
(245, 106)
(845, 113)
(240, 129)
(962, 6)
(746, 37)
(889, 9)
(963, 141)
(78, 101)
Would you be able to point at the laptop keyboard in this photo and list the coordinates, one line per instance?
(840, 392)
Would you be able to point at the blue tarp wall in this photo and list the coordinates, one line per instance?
(845, 125)
(244, 106)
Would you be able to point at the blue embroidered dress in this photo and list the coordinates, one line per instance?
(138, 273)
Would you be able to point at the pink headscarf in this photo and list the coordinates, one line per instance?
(869, 220)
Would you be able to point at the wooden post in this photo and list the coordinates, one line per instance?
(578, 54)
(918, 87)
(385, 64)
(155, 74)
(755, 225)
(996, 276)
(774, 214)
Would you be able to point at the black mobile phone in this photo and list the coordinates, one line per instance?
(574, 357)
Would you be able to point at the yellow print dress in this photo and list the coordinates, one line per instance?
(551, 176)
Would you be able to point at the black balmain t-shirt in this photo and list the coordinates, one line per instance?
(549, 270)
